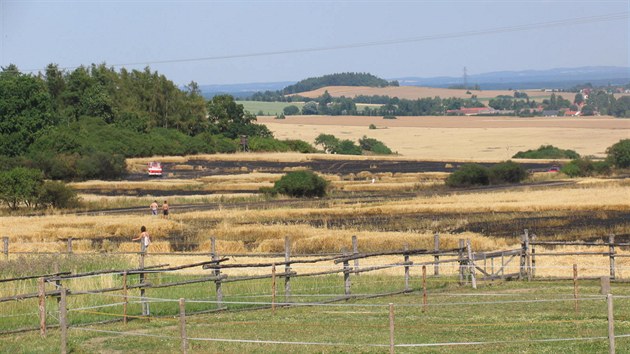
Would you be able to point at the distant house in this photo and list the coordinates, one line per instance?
(569, 112)
(471, 111)
(550, 113)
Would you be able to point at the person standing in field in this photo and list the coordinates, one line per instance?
(165, 210)
(154, 208)
(144, 237)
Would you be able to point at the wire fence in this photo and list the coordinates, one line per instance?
(317, 284)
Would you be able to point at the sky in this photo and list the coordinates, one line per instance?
(229, 42)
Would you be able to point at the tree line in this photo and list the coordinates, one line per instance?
(83, 123)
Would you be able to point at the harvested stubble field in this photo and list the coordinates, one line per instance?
(461, 138)
(382, 218)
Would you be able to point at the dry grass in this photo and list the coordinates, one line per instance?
(461, 138)
(157, 184)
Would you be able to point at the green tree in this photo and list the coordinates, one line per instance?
(328, 141)
(25, 111)
(230, 118)
(621, 108)
(291, 110)
(507, 172)
(301, 184)
(20, 186)
(57, 195)
(619, 154)
(469, 175)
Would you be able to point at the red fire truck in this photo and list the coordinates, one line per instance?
(155, 169)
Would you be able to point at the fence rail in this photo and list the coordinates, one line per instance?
(471, 268)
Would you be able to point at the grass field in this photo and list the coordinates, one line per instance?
(523, 317)
(267, 108)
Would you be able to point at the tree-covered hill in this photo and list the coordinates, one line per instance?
(340, 79)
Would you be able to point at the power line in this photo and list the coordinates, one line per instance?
(453, 35)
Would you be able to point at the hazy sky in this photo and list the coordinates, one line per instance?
(390, 39)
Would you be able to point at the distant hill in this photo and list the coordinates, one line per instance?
(559, 78)
(340, 79)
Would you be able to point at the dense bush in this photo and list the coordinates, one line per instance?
(507, 172)
(584, 167)
(300, 146)
(619, 154)
(475, 174)
(57, 195)
(375, 146)
(469, 175)
(267, 145)
(301, 184)
(20, 186)
(547, 152)
(101, 165)
(291, 110)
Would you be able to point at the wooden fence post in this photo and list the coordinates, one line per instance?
(287, 269)
(611, 255)
(346, 274)
(41, 291)
(182, 325)
(611, 325)
(471, 264)
(391, 328)
(69, 245)
(406, 248)
(5, 246)
(460, 257)
(145, 304)
(605, 286)
(125, 298)
(217, 272)
(436, 257)
(525, 261)
(424, 288)
(355, 251)
(502, 266)
(575, 288)
(63, 321)
(273, 288)
(533, 256)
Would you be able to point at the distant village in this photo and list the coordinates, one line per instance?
(575, 109)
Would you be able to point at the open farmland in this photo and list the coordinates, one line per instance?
(416, 92)
(461, 138)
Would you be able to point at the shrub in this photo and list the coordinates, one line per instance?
(547, 152)
(348, 147)
(267, 145)
(374, 146)
(20, 186)
(301, 184)
(469, 175)
(584, 167)
(291, 110)
(101, 165)
(372, 126)
(57, 195)
(507, 172)
(619, 154)
(300, 146)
